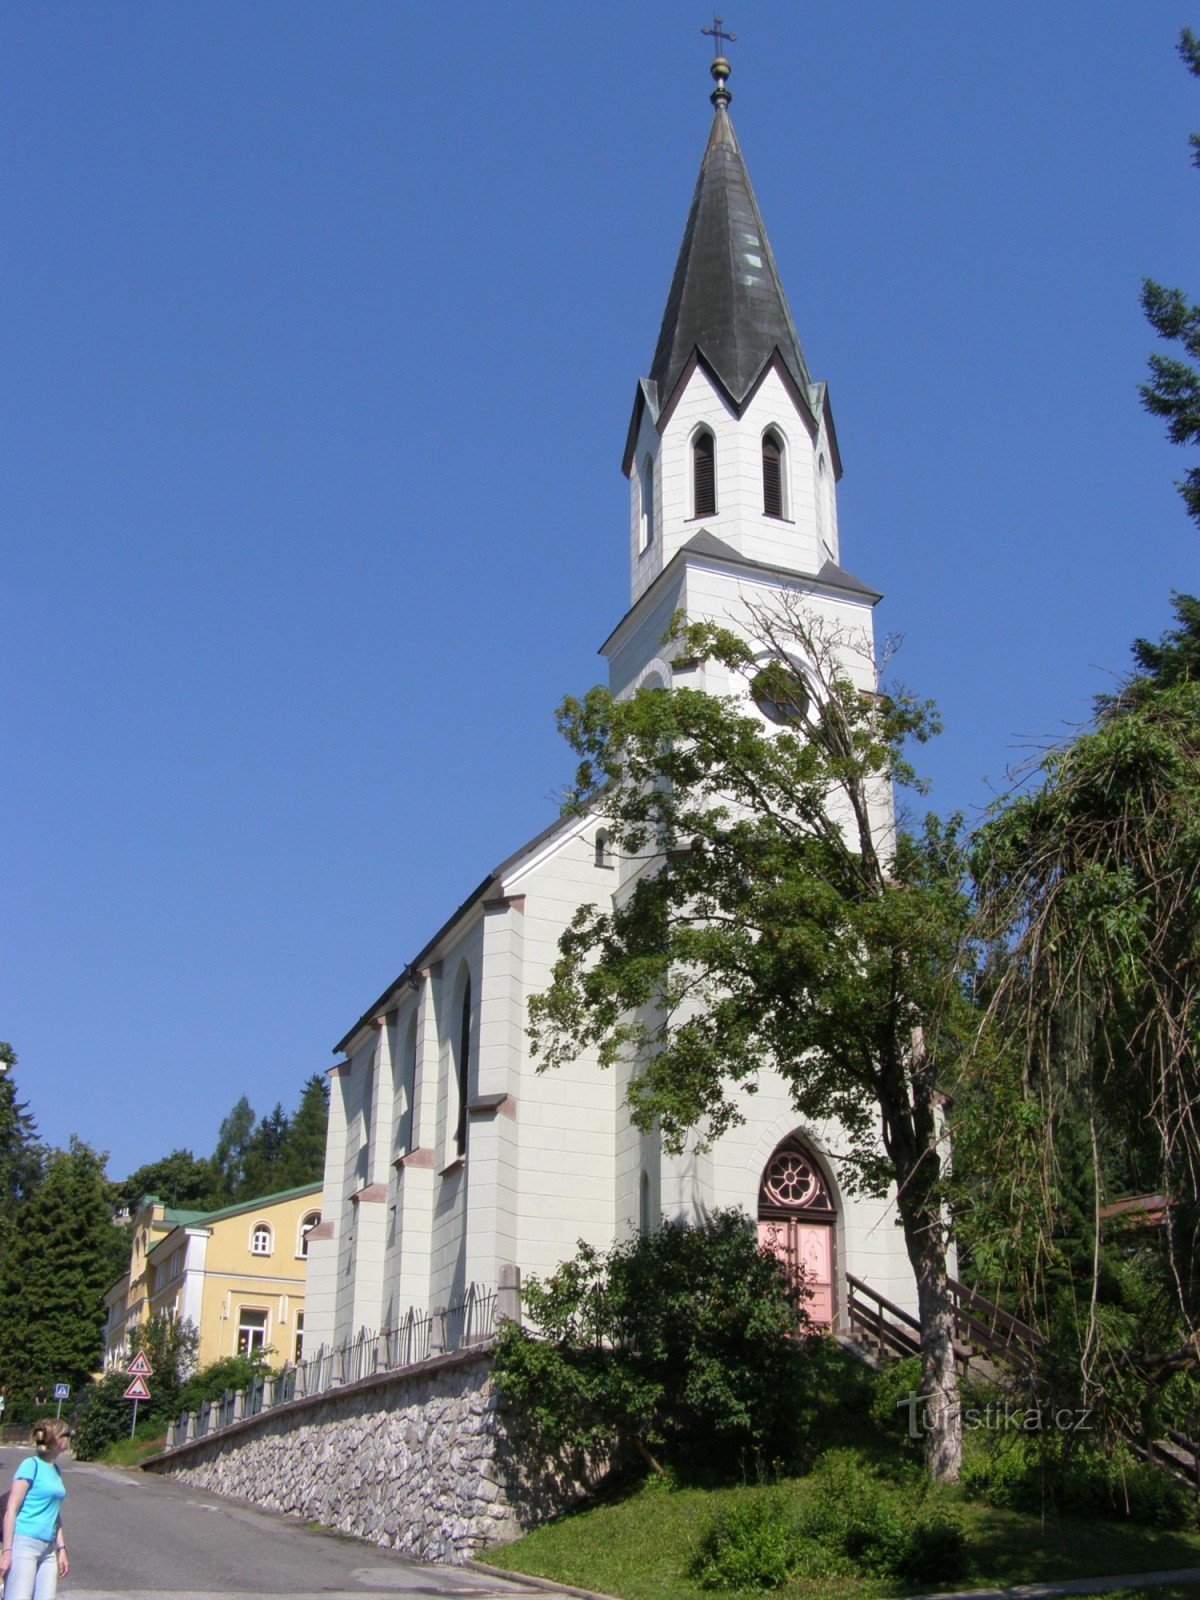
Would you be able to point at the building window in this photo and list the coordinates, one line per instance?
(603, 849)
(704, 475)
(772, 472)
(647, 498)
(406, 1090)
(464, 1070)
(260, 1240)
(252, 1332)
(645, 1221)
(299, 1351)
(307, 1224)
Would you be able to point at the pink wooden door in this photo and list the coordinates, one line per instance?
(805, 1247)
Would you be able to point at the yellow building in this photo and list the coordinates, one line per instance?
(237, 1274)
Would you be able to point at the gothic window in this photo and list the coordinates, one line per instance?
(406, 1097)
(260, 1240)
(704, 475)
(647, 508)
(793, 1182)
(772, 472)
(603, 848)
(464, 1070)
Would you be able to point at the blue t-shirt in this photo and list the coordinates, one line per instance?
(38, 1516)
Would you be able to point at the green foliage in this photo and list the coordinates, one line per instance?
(251, 1158)
(1173, 391)
(210, 1383)
(102, 1415)
(781, 920)
(170, 1346)
(1089, 885)
(757, 1544)
(179, 1180)
(893, 1384)
(22, 1157)
(54, 1274)
(677, 1344)
(855, 1520)
(233, 1142)
(1035, 1472)
(849, 1525)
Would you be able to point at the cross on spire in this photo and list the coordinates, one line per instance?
(718, 36)
(720, 96)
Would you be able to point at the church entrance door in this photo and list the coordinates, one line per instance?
(796, 1224)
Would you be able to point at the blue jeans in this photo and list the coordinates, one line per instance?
(34, 1571)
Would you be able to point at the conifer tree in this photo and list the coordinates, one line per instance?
(21, 1154)
(304, 1152)
(54, 1274)
(1173, 391)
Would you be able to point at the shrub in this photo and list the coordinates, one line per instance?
(103, 1414)
(755, 1545)
(211, 1382)
(893, 1384)
(881, 1535)
(1024, 1473)
(678, 1344)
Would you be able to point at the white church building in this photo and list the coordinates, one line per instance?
(450, 1157)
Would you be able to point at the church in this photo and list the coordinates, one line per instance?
(450, 1159)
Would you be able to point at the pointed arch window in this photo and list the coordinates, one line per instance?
(704, 475)
(603, 848)
(464, 1070)
(772, 474)
(647, 498)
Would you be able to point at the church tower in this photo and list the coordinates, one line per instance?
(731, 453)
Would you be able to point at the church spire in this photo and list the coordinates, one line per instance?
(726, 300)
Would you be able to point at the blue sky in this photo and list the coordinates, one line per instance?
(322, 324)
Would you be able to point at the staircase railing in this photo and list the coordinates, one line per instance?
(894, 1329)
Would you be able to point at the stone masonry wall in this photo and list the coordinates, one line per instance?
(423, 1461)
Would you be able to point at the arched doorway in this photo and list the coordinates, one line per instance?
(796, 1221)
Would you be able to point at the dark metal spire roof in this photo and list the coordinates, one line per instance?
(726, 300)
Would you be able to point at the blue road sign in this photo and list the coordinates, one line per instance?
(62, 1391)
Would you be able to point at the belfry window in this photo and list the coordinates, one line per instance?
(772, 471)
(704, 475)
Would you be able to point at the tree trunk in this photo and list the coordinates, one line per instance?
(941, 1410)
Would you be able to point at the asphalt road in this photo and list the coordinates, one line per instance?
(138, 1536)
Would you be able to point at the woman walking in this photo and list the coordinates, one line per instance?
(34, 1555)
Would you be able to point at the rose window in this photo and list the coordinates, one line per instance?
(791, 1180)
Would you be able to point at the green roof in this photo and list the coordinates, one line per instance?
(189, 1218)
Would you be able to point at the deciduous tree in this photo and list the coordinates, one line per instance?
(781, 920)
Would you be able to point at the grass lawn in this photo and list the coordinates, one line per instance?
(637, 1544)
(132, 1452)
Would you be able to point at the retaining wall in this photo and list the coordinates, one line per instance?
(425, 1461)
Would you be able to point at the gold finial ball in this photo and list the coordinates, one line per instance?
(720, 69)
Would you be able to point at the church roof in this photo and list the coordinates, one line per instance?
(726, 300)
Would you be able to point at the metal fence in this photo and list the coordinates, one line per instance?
(416, 1338)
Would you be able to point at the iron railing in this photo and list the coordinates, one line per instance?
(416, 1338)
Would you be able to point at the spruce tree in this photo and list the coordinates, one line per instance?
(54, 1275)
(304, 1152)
(1173, 389)
(21, 1155)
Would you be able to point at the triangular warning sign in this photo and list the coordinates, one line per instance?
(137, 1390)
(139, 1367)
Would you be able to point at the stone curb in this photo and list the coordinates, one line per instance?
(1036, 1591)
(538, 1583)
